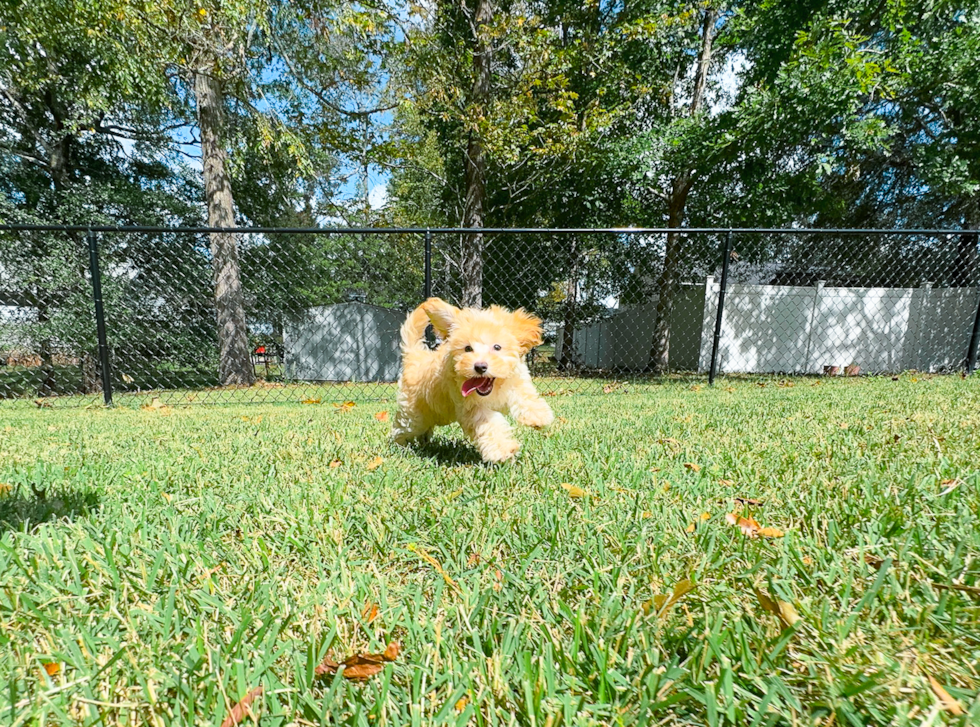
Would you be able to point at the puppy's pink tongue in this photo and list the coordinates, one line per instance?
(471, 385)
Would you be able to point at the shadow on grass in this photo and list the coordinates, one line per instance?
(450, 452)
(28, 505)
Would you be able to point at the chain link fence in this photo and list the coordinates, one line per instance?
(198, 315)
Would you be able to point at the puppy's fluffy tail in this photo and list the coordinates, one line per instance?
(413, 329)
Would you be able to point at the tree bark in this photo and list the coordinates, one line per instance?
(234, 361)
(567, 360)
(966, 266)
(680, 189)
(474, 206)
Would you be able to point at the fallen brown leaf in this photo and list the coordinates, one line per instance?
(727, 483)
(782, 610)
(949, 485)
(574, 490)
(359, 667)
(5, 489)
(345, 407)
(747, 525)
(52, 668)
(690, 528)
(692, 466)
(461, 703)
(334, 464)
(771, 533)
(42, 403)
(946, 700)
(370, 612)
(374, 464)
(310, 401)
(381, 416)
(750, 501)
(662, 602)
(155, 404)
(241, 710)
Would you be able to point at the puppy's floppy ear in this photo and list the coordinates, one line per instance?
(441, 314)
(527, 329)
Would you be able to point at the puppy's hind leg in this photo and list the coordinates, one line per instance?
(406, 428)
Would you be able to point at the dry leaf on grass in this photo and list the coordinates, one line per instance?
(692, 466)
(335, 463)
(243, 709)
(461, 703)
(750, 501)
(750, 527)
(345, 407)
(310, 401)
(574, 490)
(155, 405)
(948, 702)
(783, 610)
(381, 416)
(747, 525)
(727, 483)
(662, 602)
(374, 464)
(52, 668)
(42, 403)
(370, 612)
(949, 485)
(360, 667)
(5, 489)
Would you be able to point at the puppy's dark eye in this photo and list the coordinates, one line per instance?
(496, 347)
(468, 349)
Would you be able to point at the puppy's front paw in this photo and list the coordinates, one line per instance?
(499, 451)
(537, 416)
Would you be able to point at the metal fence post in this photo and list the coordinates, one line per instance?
(93, 261)
(971, 352)
(427, 293)
(722, 289)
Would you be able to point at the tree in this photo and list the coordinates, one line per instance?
(68, 82)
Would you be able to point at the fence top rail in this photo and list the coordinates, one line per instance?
(491, 230)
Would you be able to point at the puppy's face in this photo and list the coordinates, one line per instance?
(485, 346)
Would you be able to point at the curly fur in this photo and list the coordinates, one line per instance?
(436, 386)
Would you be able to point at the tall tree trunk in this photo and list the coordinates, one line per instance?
(677, 201)
(234, 361)
(474, 207)
(966, 266)
(567, 360)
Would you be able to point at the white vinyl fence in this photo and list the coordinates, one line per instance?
(792, 329)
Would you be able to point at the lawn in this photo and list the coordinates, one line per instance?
(156, 565)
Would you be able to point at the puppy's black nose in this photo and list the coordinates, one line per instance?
(480, 368)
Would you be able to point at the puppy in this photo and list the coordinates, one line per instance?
(475, 376)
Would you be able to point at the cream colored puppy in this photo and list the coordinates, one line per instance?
(474, 377)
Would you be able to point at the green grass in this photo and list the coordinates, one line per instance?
(170, 561)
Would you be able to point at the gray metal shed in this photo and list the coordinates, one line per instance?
(344, 342)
